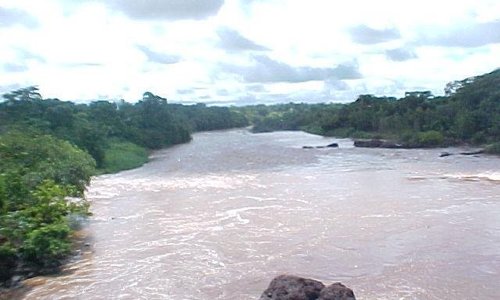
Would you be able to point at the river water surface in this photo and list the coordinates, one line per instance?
(219, 217)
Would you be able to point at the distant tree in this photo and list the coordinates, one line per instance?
(23, 94)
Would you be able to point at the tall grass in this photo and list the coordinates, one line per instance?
(122, 155)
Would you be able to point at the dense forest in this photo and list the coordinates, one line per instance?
(468, 113)
(49, 148)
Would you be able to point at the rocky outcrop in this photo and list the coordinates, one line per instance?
(473, 152)
(289, 287)
(332, 145)
(376, 143)
(477, 152)
(444, 154)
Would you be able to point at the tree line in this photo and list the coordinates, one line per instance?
(468, 113)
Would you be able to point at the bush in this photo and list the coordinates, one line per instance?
(46, 246)
(430, 138)
(37, 174)
(40, 157)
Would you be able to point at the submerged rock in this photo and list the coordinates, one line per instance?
(332, 145)
(289, 287)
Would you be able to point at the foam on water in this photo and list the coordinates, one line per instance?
(220, 217)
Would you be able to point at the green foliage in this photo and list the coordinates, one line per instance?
(122, 155)
(37, 175)
(38, 158)
(46, 246)
(430, 138)
(152, 122)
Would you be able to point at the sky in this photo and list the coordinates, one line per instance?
(240, 52)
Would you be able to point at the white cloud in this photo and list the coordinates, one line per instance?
(242, 50)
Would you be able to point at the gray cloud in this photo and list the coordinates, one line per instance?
(258, 88)
(24, 55)
(400, 54)
(167, 9)
(185, 92)
(231, 40)
(10, 17)
(12, 68)
(158, 57)
(268, 70)
(223, 92)
(337, 85)
(471, 36)
(363, 34)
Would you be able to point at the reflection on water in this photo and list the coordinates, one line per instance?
(220, 217)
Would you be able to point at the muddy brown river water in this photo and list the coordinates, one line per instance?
(219, 217)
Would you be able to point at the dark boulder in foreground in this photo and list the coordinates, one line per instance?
(332, 145)
(336, 291)
(289, 287)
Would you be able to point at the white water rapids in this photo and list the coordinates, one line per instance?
(219, 217)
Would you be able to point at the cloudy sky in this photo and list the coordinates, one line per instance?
(244, 51)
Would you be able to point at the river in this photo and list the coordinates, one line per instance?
(219, 217)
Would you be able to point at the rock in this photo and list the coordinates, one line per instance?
(472, 153)
(336, 291)
(368, 143)
(333, 145)
(289, 287)
(376, 143)
(444, 154)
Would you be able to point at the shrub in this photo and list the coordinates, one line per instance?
(46, 246)
(430, 138)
